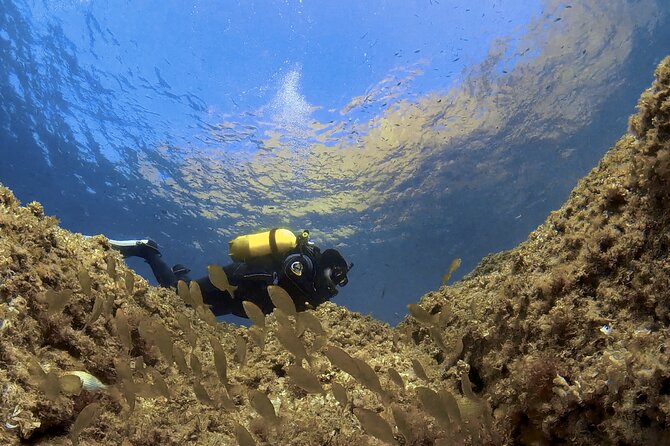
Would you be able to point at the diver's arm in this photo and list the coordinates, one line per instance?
(248, 282)
(240, 272)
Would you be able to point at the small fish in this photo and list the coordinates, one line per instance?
(291, 342)
(86, 417)
(307, 320)
(70, 384)
(373, 424)
(446, 312)
(163, 338)
(196, 293)
(340, 393)
(453, 266)
(182, 290)
(219, 360)
(459, 347)
(254, 313)
(419, 371)
(281, 299)
(196, 366)
(262, 404)
(437, 338)
(432, 403)
(107, 305)
(185, 325)
(241, 350)
(130, 282)
(219, 279)
(319, 343)
(111, 267)
(282, 318)
(258, 335)
(243, 436)
(420, 314)
(180, 359)
(404, 426)
(97, 310)
(145, 330)
(368, 377)
(84, 282)
(129, 390)
(206, 315)
(225, 400)
(450, 403)
(159, 384)
(50, 385)
(341, 359)
(122, 368)
(88, 381)
(396, 378)
(123, 329)
(201, 393)
(305, 379)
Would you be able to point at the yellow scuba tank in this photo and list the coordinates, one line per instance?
(275, 241)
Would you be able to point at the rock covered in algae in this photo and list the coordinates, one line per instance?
(566, 336)
(561, 340)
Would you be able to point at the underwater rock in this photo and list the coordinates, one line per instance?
(563, 339)
(566, 336)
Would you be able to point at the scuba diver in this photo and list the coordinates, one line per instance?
(275, 257)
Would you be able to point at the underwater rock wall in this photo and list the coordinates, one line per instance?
(567, 335)
(561, 340)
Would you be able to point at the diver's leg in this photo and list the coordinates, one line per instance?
(135, 248)
(148, 250)
(163, 273)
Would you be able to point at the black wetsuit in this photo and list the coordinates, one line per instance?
(297, 272)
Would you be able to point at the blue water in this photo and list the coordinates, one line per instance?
(404, 133)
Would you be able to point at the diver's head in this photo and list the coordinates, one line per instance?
(332, 271)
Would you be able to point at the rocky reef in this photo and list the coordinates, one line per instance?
(563, 339)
